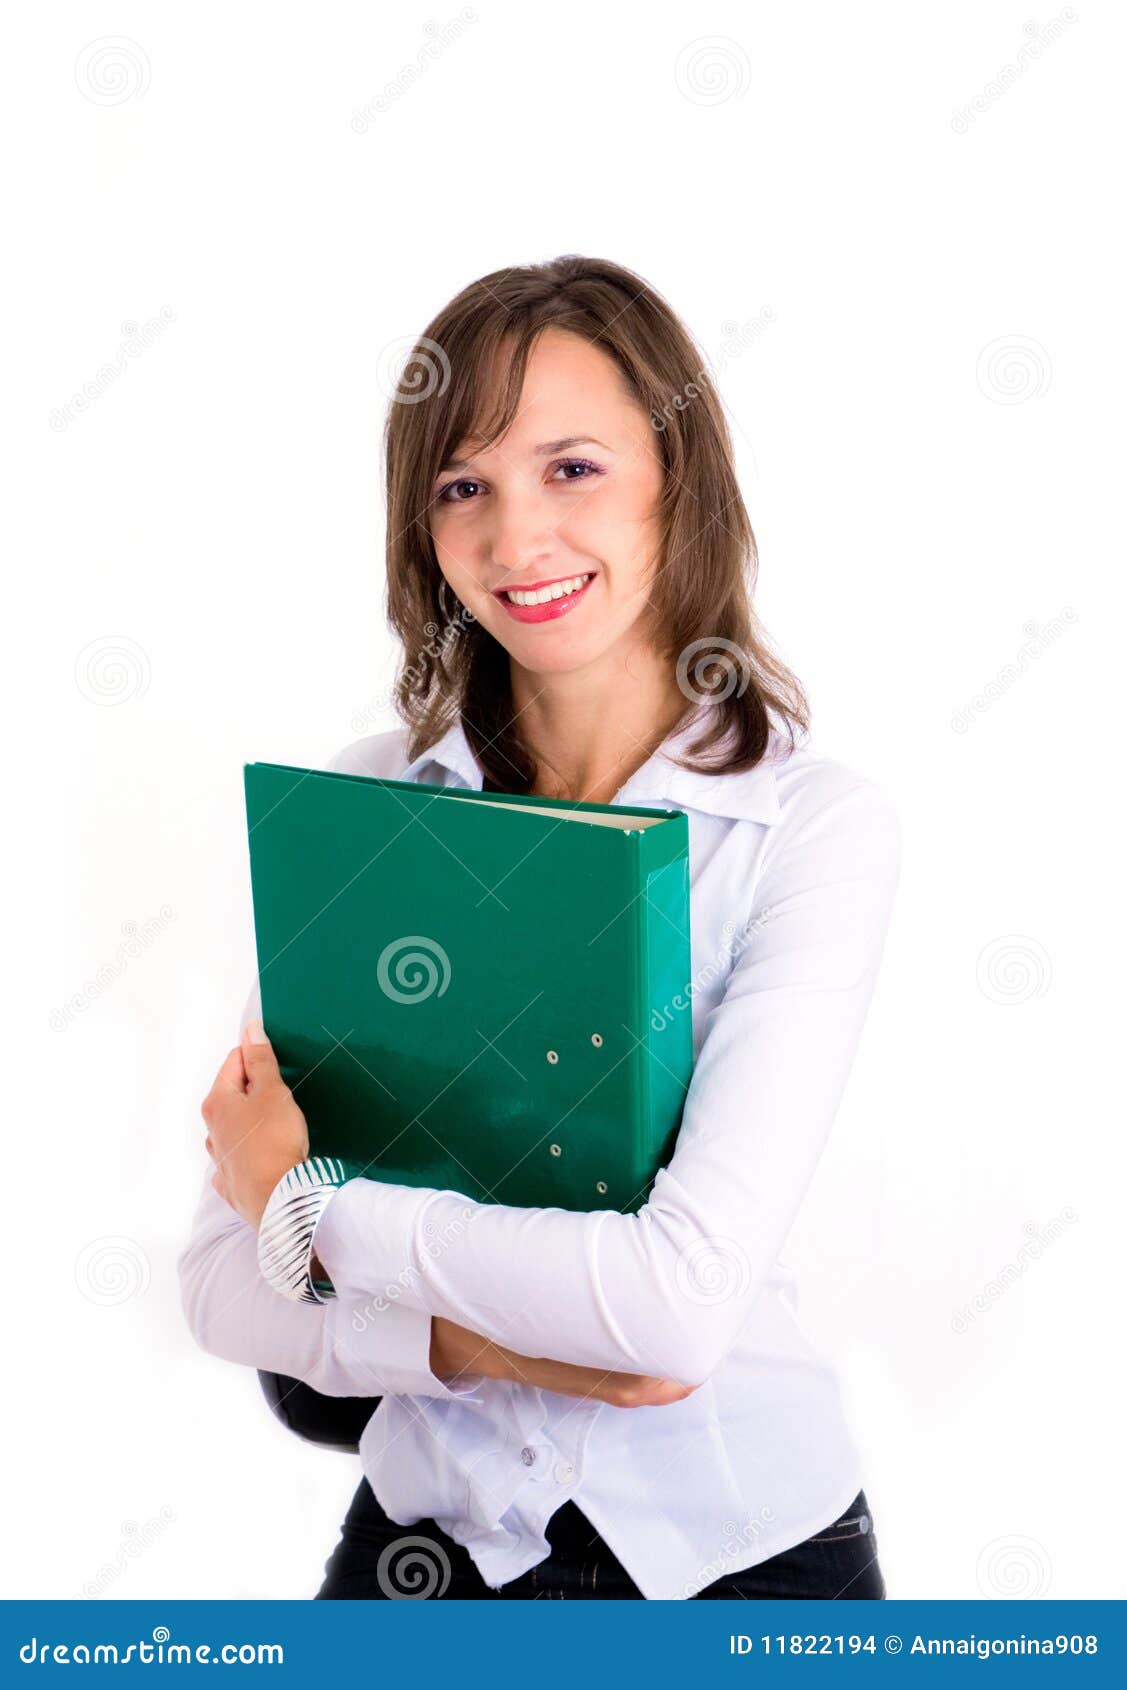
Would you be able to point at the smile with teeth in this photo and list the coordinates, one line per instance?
(558, 590)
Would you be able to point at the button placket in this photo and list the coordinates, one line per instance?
(528, 1418)
(571, 1439)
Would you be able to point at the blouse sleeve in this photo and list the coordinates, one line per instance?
(666, 1291)
(342, 1348)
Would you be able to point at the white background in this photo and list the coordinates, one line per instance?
(930, 441)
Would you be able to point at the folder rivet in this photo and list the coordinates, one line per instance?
(596, 1038)
(555, 1149)
(553, 1056)
(601, 1187)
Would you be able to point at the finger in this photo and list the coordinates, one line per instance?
(209, 1147)
(232, 1076)
(261, 1064)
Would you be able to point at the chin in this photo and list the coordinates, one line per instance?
(559, 663)
(552, 650)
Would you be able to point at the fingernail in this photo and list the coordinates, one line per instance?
(256, 1033)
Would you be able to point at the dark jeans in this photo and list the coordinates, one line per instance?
(380, 1561)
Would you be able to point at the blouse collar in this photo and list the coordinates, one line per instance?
(750, 795)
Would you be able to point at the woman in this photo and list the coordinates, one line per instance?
(610, 1404)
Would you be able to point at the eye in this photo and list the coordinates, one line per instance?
(466, 490)
(445, 495)
(583, 465)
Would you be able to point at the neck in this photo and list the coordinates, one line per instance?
(588, 734)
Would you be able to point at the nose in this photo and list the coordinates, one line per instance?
(522, 539)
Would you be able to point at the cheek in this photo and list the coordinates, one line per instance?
(456, 549)
(618, 529)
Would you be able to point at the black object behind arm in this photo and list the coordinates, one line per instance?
(332, 1422)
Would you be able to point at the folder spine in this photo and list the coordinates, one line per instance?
(665, 959)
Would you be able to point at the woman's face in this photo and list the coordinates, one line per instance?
(568, 496)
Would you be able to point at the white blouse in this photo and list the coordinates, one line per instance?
(793, 873)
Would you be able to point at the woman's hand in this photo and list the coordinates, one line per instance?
(455, 1350)
(256, 1132)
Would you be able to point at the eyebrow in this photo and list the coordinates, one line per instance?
(543, 451)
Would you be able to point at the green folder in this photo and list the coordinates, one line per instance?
(475, 991)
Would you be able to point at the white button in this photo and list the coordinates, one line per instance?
(565, 1470)
(527, 1455)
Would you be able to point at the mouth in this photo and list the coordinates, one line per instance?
(545, 601)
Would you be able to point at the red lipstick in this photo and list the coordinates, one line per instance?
(551, 608)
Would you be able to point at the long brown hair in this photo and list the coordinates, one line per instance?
(700, 598)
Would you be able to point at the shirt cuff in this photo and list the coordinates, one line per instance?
(387, 1352)
(364, 1239)
(289, 1220)
(365, 1236)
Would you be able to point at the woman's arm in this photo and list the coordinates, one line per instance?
(348, 1349)
(456, 1350)
(342, 1348)
(667, 1290)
